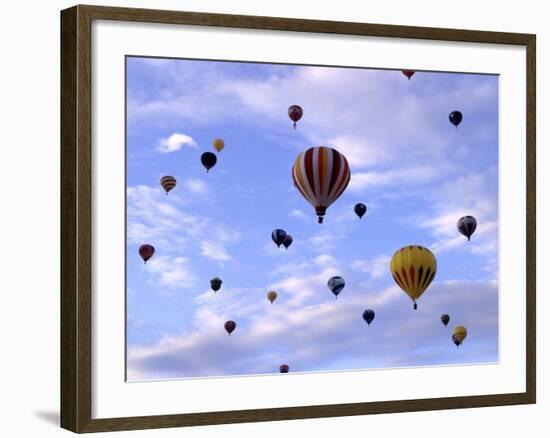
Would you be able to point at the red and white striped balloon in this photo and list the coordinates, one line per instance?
(321, 174)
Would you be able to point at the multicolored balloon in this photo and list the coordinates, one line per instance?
(459, 334)
(278, 236)
(168, 183)
(284, 368)
(467, 225)
(408, 73)
(271, 296)
(218, 144)
(368, 316)
(216, 284)
(146, 251)
(455, 118)
(413, 268)
(445, 319)
(336, 284)
(360, 209)
(295, 112)
(288, 241)
(321, 174)
(230, 326)
(208, 160)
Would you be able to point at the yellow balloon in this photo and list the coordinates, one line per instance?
(218, 144)
(413, 268)
(272, 296)
(460, 333)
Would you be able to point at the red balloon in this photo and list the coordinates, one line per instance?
(230, 326)
(146, 252)
(408, 73)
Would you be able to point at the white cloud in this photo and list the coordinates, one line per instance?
(197, 186)
(171, 271)
(174, 143)
(377, 267)
(398, 177)
(214, 251)
(299, 214)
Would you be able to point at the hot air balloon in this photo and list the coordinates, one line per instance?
(408, 73)
(216, 284)
(208, 160)
(336, 284)
(360, 209)
(271, 296)
(445, 319)
(218, 144)
(467, 225)
(230, 326)
(413, 268)
(368, 316)
(284, 368)
(168, 183)
(459, 334)
(278, 236)
(295, 113)
(455, 118)
(288, 241)
(146, 251)
(321, 174)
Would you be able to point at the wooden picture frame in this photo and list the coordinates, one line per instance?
(76, 218)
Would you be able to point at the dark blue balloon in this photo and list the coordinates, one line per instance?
(445, 319)
(360, 209)
(284, 368)
(336, 284)
(278, 236)
(288, 241)
(455, 118)
(368, 316)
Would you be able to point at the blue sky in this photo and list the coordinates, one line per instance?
(416, 173)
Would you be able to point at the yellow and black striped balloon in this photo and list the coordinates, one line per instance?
(168, 183)
(413, 268)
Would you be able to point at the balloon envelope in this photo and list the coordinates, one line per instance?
(168, 183)
(467, 225)
(408, 73)
(460, 333)
(336, 284)
(146, 251)
(216, 284)
(413, 268)
(218, 144)
(271, 296)
(278, 236)
(295, 112)
(368, 316)
(445, 319)
(230, 326)
(321, 174)
(284, 368)
(455, 118)
(208, 160)
(360, 209)
(288, 241)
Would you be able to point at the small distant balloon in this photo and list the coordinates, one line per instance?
(455, 118)
(336, 284)
(208, 160)
(467, 225)
(146, 251)
(278, 236)
(168, 183)
(288, 241)
(230, 326)
(368, 316)
(445, 319)
(271, 296)
(216, 284)
(295, 112)
(360, 209)
(459, 334)
(284, 368)
(218, 144)
(408, 73)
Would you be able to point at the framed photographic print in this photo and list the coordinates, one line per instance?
(308, 218)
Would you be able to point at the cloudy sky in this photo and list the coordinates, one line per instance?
(416, 173)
